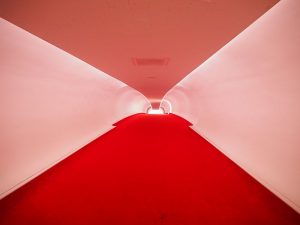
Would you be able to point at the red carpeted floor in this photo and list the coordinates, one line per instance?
(150, 169)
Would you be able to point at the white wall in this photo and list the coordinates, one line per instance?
(246, 100)
(51, 105)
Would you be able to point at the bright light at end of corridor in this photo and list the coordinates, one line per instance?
(156, 111)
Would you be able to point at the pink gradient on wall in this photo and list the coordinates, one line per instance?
(52, 104)
(245, 100)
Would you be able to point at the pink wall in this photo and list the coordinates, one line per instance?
(246, 100)
(51, 105)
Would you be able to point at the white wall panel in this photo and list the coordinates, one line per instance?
(52, 104)
(246, 100)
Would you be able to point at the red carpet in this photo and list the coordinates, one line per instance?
(150, 169)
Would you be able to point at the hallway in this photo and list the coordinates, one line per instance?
(149, 169)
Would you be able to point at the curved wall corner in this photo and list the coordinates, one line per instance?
(245, 100)
(52, 104)
(166, 106)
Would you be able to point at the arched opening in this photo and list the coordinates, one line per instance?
(166, 106)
